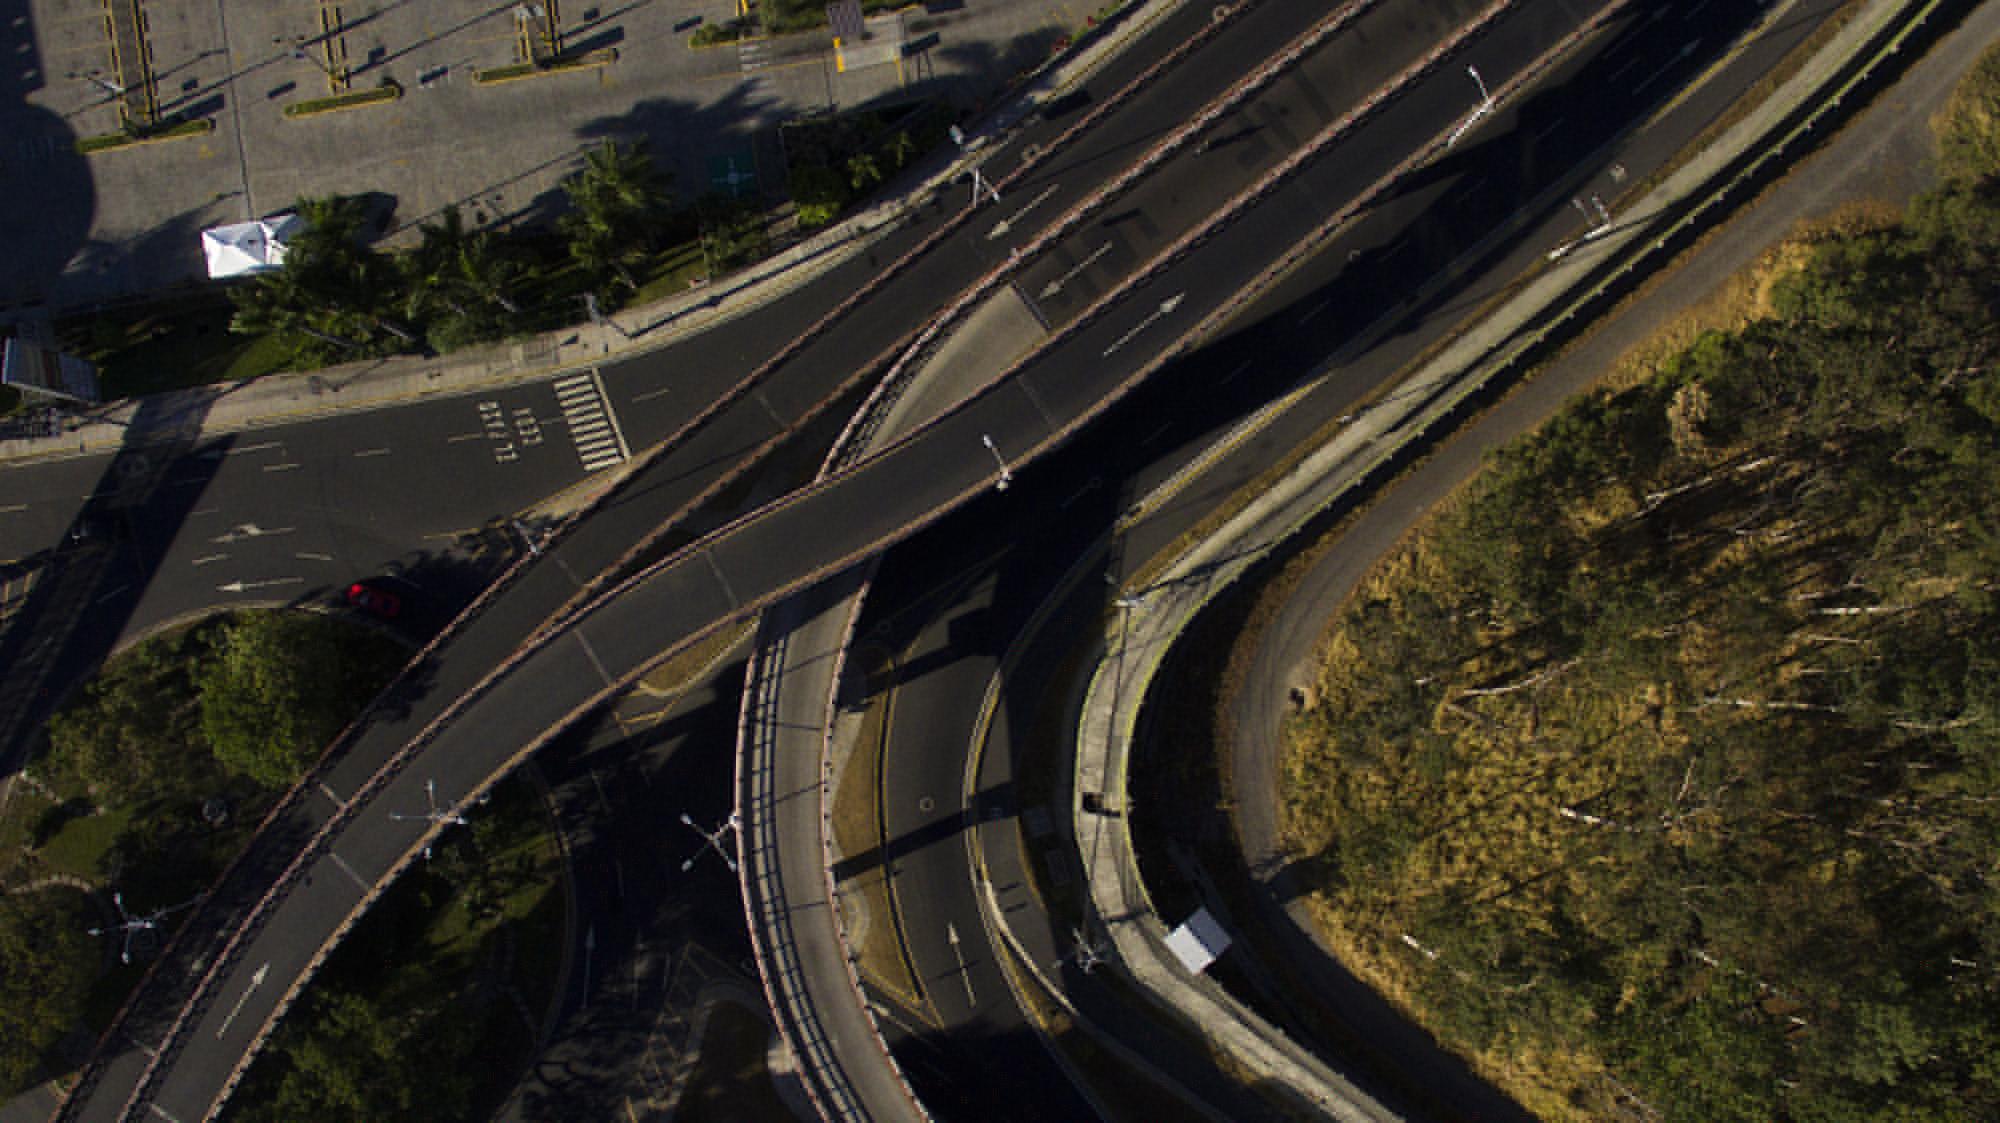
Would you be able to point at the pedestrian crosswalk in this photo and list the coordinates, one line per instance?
(592, 426)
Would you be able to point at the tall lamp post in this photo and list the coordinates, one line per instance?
(1006, 475)
(1479, 111)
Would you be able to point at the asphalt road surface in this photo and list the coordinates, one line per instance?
(939, 687)
(850, 516)
(780, 397)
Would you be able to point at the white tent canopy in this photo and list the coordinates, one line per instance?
(248, 247)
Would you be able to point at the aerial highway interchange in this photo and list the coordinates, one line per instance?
(1123, 225)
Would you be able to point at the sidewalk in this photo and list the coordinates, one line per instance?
(1153, 617)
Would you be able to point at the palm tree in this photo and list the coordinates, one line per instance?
(863, 172)
(332, 290)
(619, 203)
(902, 149)
(460, 281)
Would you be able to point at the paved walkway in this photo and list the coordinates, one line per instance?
(1153, 618)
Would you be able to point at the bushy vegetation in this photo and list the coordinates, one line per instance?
(278, 686)
(46, 965)
(1665, 762)
(255, 695)
(337, 298)
(431, 1007)
(152, 781)
(834, 161)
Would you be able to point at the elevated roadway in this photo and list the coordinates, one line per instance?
(1092, 360)
(746, 416)
(750, 564)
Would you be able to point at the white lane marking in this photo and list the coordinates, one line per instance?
(347, 869)
(280, 467)
(11, 508)
(329, 793)
(457, 437)
(114, 594)
(207, 558)
(371, 452)
(591, 652)
(650, 395)
(304, 556)
(259, 447)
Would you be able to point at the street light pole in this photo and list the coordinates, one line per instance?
(436, 815)
(109, 87)
(1479, 111)
(1006, 475)
(981, 187)
(712, 840)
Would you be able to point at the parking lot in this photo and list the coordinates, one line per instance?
(87, 229)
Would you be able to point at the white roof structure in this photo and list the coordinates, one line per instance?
(1199, 942)
(248, 247)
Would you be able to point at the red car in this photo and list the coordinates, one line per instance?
(379, 603)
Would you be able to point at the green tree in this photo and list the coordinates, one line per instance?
(334, 297)
(619, 204)
(1968, 127)
(819, 193)
(280, 687)
(46, 966)
(461, 283)
(863, 171)
(128, 737)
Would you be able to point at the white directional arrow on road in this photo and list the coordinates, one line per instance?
(250, 530)
(1056, 286)
(1001, 227)
(1165, 309)
(246, 586)
(256, 980)
(951, 934)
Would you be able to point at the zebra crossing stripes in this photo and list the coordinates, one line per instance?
(592, 426)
